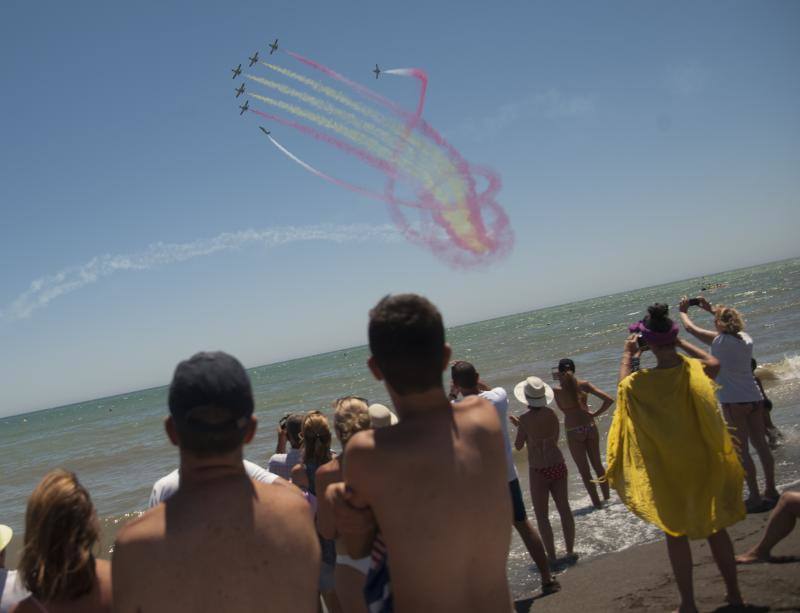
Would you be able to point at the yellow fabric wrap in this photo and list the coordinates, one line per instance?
(670, 456)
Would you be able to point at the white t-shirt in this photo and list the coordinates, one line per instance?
(735, 376)
(167, 485)
(11, 589)
(499, 398)
(281, 464)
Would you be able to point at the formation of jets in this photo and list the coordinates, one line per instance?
(273, 47)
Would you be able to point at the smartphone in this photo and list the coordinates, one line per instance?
(694, 301)
(641, 342)
(554, 371)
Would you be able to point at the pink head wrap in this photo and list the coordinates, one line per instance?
(655, 338)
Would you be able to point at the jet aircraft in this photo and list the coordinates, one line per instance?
(264, 130)
(253, 59)
(239, 90)
(244, 107)
(236, 71)
(377, 71)
(273, 47)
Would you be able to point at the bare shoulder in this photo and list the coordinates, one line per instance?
(479, 412)
(24, 606)
(283, 495)
(362, 458)
(362, 443)
(329, 472)
(149, 525)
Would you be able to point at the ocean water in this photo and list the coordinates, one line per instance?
(118, 448)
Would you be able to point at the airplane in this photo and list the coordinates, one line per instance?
(253, 59)
(377, 71)
(236, 71)
(244, 107)
(264, 130)
(239, 90)
(273, 47)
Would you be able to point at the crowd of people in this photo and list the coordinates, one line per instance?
(416, 512)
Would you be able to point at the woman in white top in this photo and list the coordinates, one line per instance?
(739, 395)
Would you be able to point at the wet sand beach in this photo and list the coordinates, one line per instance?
(640, 578)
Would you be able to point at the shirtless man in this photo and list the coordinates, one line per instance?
(222, 542)
(435, 482)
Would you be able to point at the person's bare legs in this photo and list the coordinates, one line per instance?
(350, 589)
(535, 547)
(540, 496)
(758, 437)
(736, 416)
(680, 558)
(593, 449)
(722, 550)
(781, 523)
(561, 499)
(578, 450)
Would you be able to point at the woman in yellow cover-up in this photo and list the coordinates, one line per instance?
(670, 456)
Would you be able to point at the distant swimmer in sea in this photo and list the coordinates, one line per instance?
(670, 457)
(738, 394)
(582, 435)
(538, 430)
(781, 523)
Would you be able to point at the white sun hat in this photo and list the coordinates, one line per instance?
(533, 392)
(380, 416)
(5, 536)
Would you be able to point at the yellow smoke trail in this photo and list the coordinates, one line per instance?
(322, 105)
(397, 127)
(373, 146)
(446, 185)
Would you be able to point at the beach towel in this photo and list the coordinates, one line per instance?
(670, 456)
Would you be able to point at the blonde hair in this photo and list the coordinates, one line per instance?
(61, 530)
(351, 416)
(316, 439)
(729, 319)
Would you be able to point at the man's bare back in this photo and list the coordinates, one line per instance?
(226, 544)
(436, 483)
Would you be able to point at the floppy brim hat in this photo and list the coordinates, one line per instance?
(6, 533)
(533, 392)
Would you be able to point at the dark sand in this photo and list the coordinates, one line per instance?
(640, 578)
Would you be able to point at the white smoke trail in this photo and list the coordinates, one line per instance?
(45, 289)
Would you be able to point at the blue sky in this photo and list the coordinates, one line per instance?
(638, 142)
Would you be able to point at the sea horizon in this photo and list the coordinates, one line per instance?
(449, 329)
